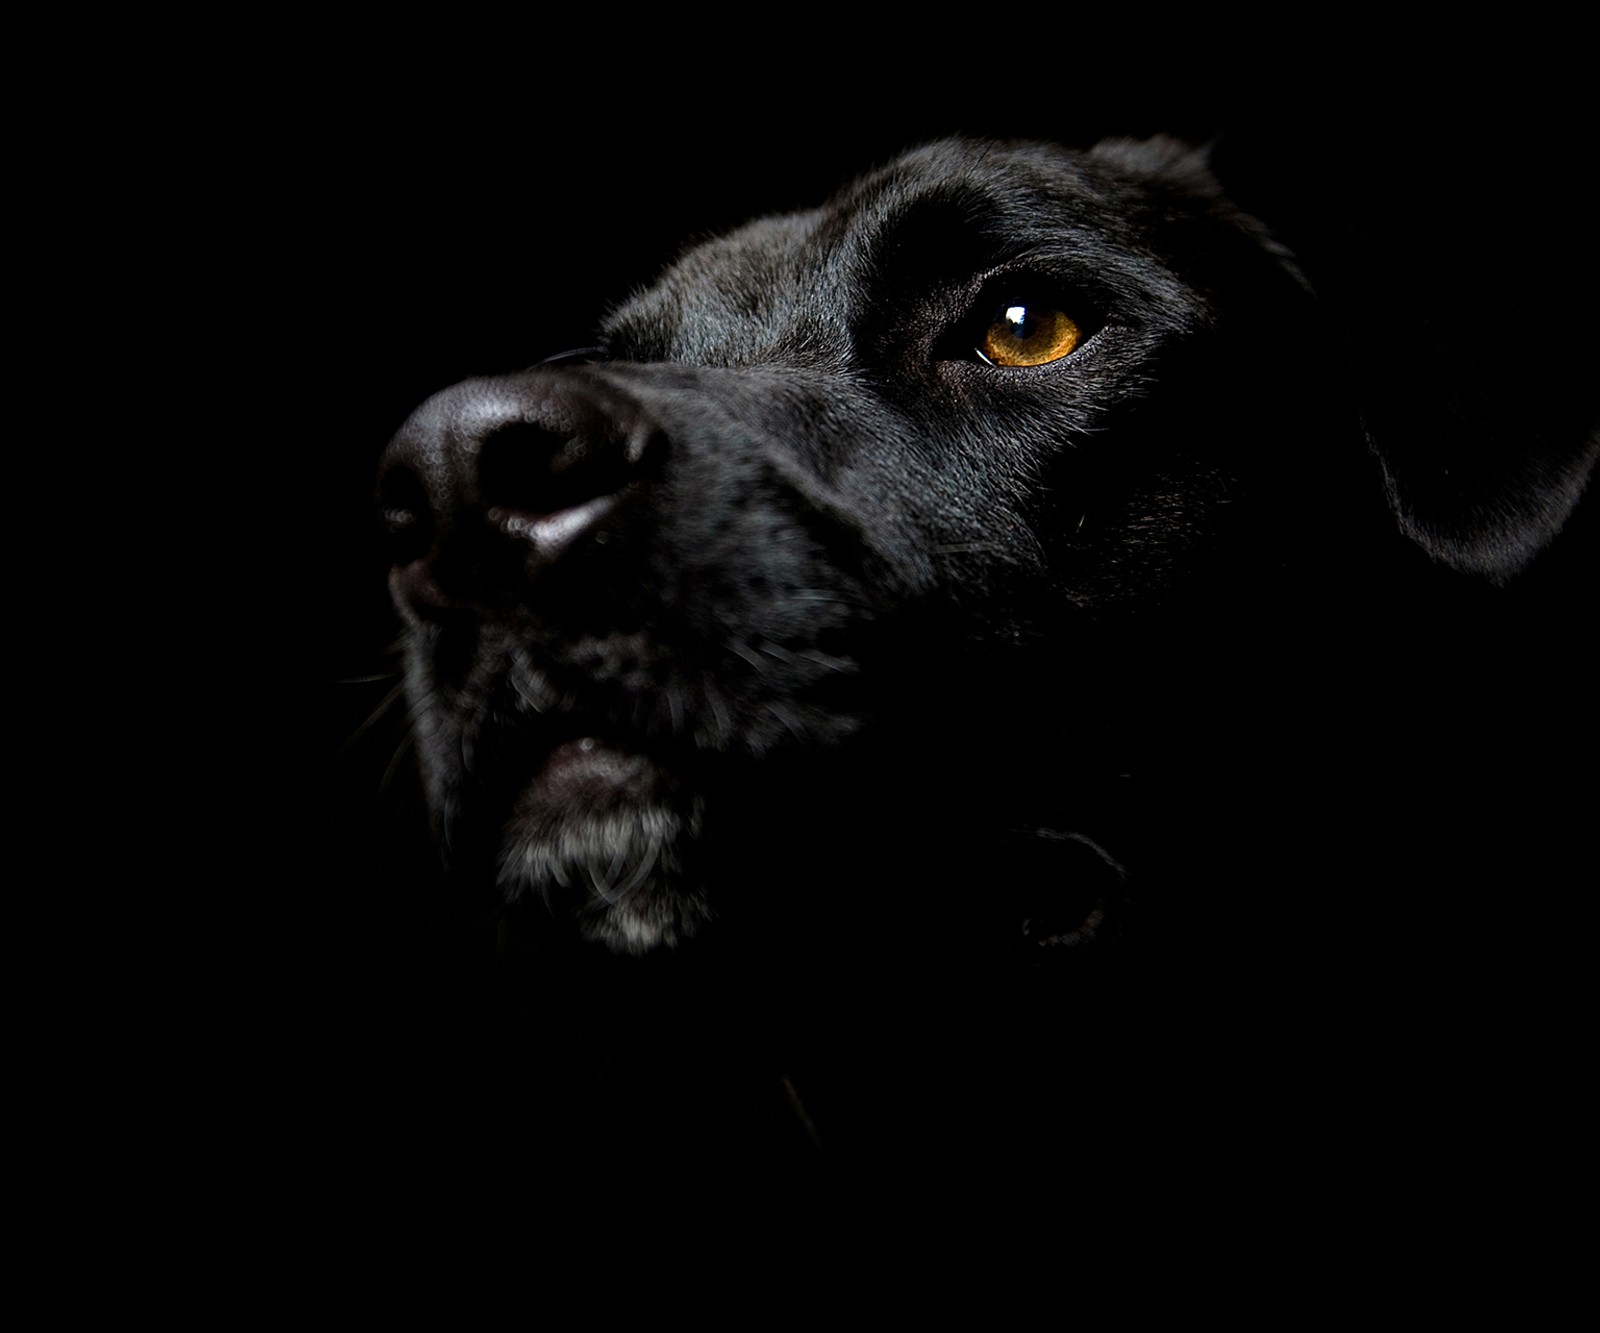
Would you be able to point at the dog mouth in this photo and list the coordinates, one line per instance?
(606, 786)
(607, 836)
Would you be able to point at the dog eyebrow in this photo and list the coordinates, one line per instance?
(954, 237)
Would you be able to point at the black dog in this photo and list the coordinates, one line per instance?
(929, 639)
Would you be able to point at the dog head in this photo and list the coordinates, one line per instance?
(872, 546)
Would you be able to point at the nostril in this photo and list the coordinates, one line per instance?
(515, 467)
(526, 469)
(407, 514)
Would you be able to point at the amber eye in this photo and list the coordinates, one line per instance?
(1029, 335)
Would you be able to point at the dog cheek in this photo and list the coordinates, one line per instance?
(437, 731)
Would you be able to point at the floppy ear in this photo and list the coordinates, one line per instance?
(1482, 477)
(1463, 280)
(1459, 284)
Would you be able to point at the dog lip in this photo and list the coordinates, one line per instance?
(566, 754)
(412, 584)
(587, 767)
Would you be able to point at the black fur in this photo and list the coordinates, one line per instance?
(916, 736)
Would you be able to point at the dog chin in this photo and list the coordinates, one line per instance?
(606, 836)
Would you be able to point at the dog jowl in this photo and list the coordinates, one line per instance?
(866, 550)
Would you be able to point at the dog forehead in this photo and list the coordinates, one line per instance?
(770, 291)
(977, 179)
(792, 288)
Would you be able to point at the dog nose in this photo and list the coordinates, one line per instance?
(506, 474)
